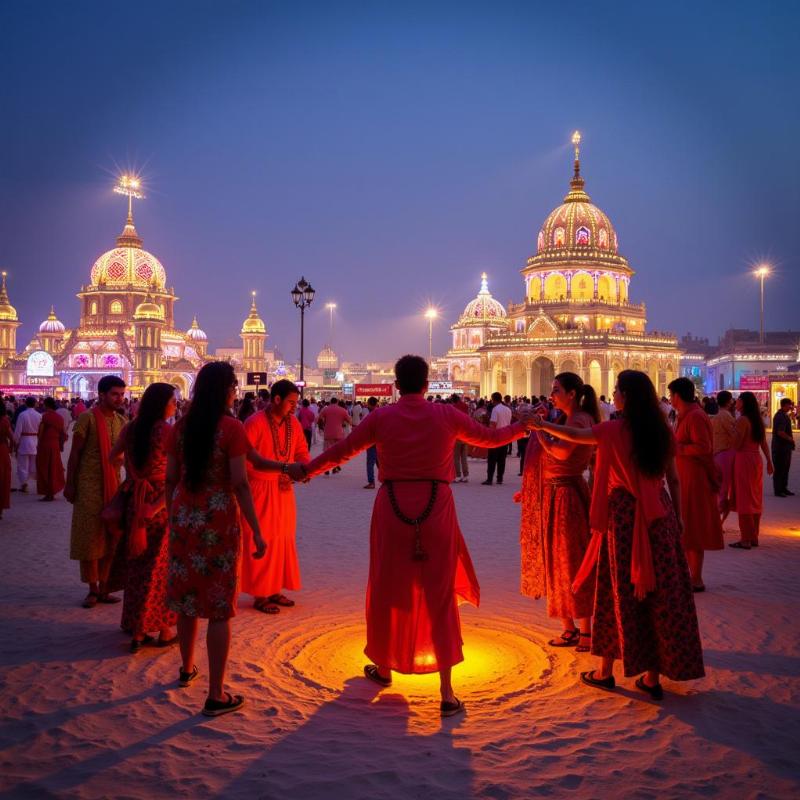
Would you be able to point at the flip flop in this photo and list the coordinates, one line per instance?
(567, 639)
(166, 642)
(371, 672)
(451, 709)
(90, 601)
(108, 599)
(266, 607)
(740, 545)
(138, 644)
(656, 692)
(599, 683)
(216, 708)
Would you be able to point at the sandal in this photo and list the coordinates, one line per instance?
(584, 648)
(108, 599)
(185, 678)
(451, 709)
(740, 545)
(656, 692)
(265, 607)
(166, 642)
(568, 638)
(281, 600)
(599, 683)
(371, 672)
(216, 708)
(90, 601)
(138, 644)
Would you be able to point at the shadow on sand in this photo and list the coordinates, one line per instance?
(359, 746)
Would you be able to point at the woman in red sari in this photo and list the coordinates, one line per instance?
(206, 488)
(748, 478)
(644, 610)
(700, 479)
(144, 443)
(6, 446)
(49, 466)
(559, 518)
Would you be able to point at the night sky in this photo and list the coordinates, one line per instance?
(390, 152)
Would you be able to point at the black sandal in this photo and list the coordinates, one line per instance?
(656, 692)
(185, 678)
(568, 638)
(371, 672)
(599, 683)
(138, 644)
(584, 648)
(216, 708)
(451, 709)
(740, 545)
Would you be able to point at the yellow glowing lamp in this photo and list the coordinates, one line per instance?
(129, 185)
(431, 313)
(762, 271)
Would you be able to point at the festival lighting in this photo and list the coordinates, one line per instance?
(761, 272)
(431, 314)
(130, 186)
(331, 308)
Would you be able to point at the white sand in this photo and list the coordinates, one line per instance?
(82, 718)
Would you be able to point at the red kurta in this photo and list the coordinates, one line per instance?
(700, 481)
(747, 495)
(276, 510)
(49, 466)
(6, 443)
(413, 624)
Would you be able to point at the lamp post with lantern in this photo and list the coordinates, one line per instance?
(302, 297)
(761, 273)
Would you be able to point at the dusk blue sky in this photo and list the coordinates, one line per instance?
(391, 152)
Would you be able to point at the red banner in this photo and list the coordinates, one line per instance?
(374, 390)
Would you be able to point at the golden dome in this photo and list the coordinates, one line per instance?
(52, 324)
(327, 358)
(196, 333)
(7, 312)
(148, 310)
(128, 264)
(484, 309)
(253, 323)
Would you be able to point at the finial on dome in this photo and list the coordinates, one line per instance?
(130, 186)
(484, 283)
(576, 143)
(576, 192)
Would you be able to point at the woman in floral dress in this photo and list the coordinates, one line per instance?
(144, 443)
(644, 612)
(206, 487)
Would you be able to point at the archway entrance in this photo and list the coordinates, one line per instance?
(542, 374)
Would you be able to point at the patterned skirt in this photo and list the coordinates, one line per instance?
(660, 632)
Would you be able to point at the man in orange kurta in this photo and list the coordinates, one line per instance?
(417, 573)
(276, 434)
(699, 478)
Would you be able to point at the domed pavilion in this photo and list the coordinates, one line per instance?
(576, 315)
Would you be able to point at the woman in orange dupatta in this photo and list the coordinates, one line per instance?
(49, 466)
(644, 611)
(145, 543)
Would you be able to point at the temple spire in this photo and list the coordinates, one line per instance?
(576, 192)
(130, 186)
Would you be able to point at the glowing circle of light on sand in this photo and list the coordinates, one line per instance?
(500, 660)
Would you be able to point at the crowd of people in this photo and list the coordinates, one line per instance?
(619, 503)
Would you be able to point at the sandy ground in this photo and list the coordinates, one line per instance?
(81, 718)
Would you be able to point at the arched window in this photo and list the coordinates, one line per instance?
(115, 307)
(93, 308)
(582, 236)
(559, 237)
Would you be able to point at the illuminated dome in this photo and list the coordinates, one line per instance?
(128, 264)
(577, 224)
(484, 308)
(148, 310)
(52, 324)
(7, 312)
(327, 358)
(253, 323)
(196, 333)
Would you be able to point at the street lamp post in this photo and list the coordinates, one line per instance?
(761, 273)
(331, 308)
(302, 295)
(430, 314)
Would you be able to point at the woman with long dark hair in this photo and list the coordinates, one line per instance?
(557, 523)
(206, 488)
(144, 443)
(747, 491)
(644, 610)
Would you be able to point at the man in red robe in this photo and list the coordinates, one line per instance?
(277, 438)
(420, 567)
(49, 466)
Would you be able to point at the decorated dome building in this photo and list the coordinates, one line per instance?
(576, 315)
(126, 327)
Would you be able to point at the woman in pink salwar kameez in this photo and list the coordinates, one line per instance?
(644, 612)
(418, 572)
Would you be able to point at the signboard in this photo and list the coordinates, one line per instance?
(374, 390)
(300, 384)
(40, 365)
(347, 388)
(329, 376)
(754, 383)
(256, 378)
(440, 386)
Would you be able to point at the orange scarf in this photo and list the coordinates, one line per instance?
(110, 477)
